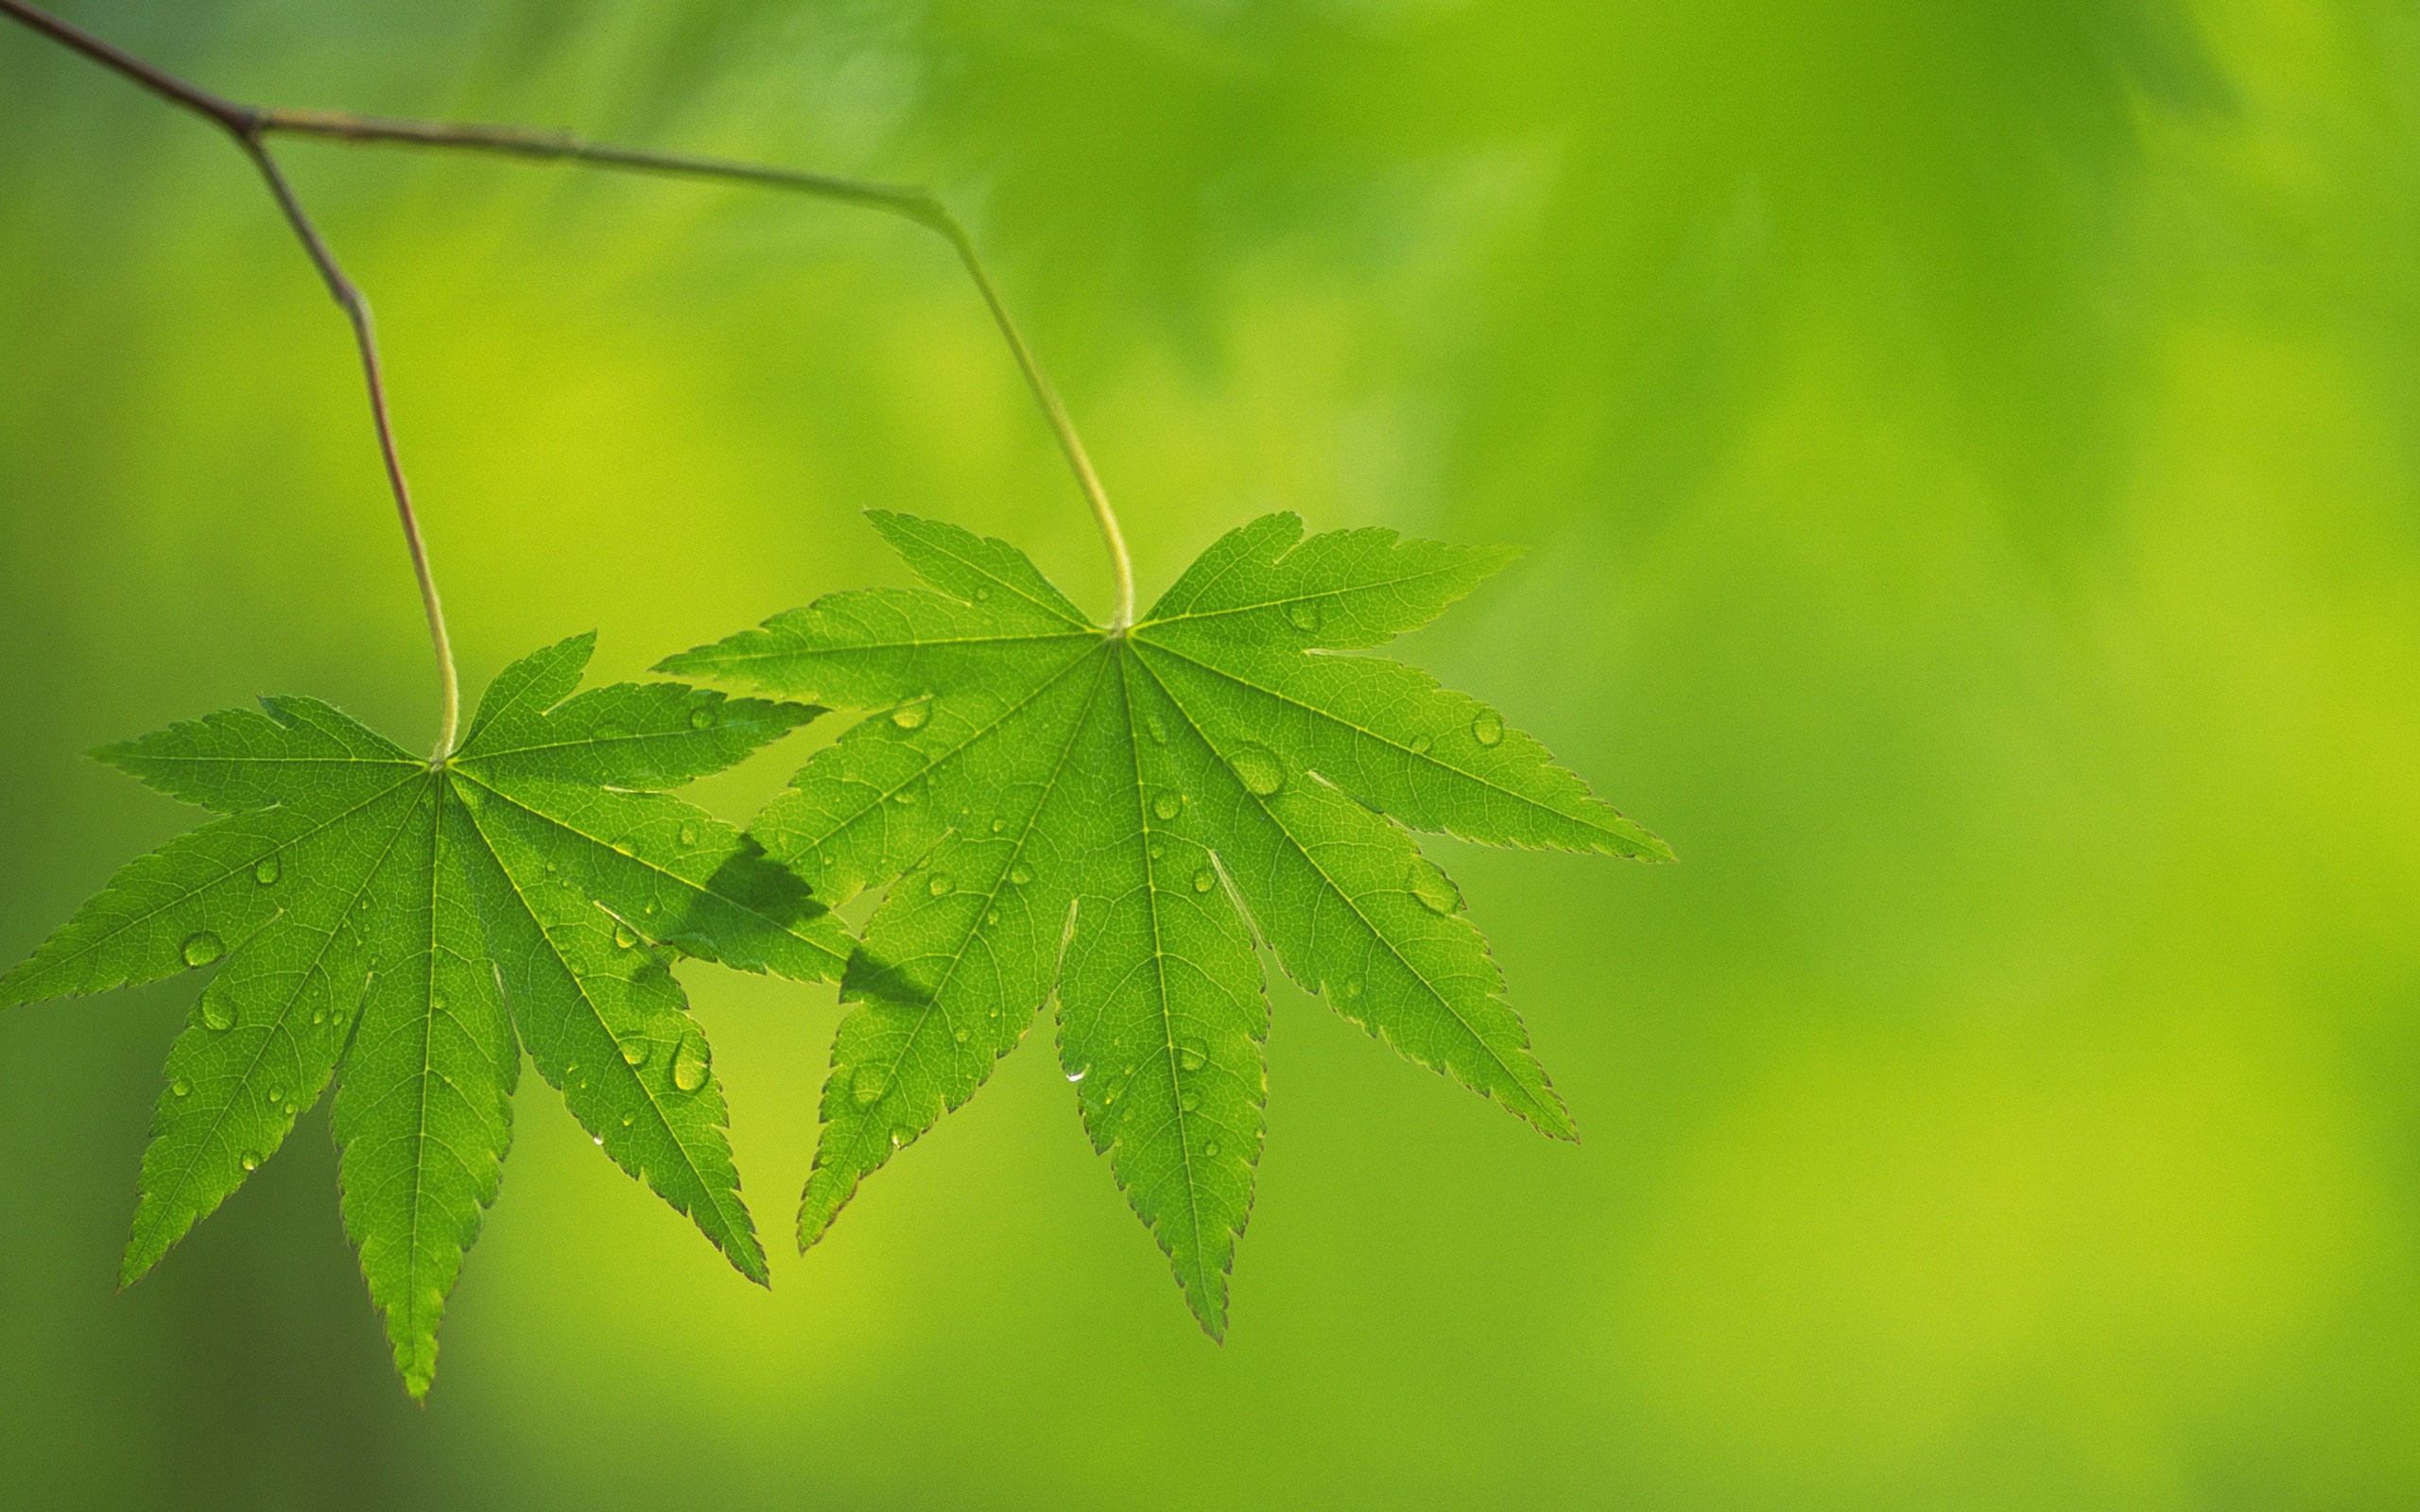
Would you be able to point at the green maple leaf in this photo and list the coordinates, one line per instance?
(1116, 815)
(410, 927)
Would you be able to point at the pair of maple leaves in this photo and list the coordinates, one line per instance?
(1115, 819)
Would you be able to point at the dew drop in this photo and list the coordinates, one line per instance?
(1188, 1102)
(940, 884)
(216, 1012)
(1167, 805)
(278, 1096)
(688, 835)
(1432, 888)
(626, 1120)
(1353, 987)
(635, 1051)
(203, 947)
(269, 870)
(1420, 744)
(180, 1087)
(1152, 728)
(1303, 614)
(1211, 1148)
(1156, 850)
(1190, 1057)
(981, 592)
(998, 825)
(703, 717)
(959, 1034)
(1078, 1075)
(437, 1003)
(867, 1086)
(1487, 728)
(1020, 874)
(912, 716)
(650, 908)
(624, 936)
(906, 798)
(689, 1064)
(319, 1015)
(992, 917)
(902, 1136)
(251, 1159)
(598, 1140)
(1203, 881)
(1257, 769)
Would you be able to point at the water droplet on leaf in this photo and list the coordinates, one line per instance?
(998, 825)
(1432, 887)
(688, 835)
(180, 1087)
(1167, 805)
(269, 870)
(703, 717)
(959, 1034)
(251, 1159)
(912, 716)
(635, 1051)
(1304, 615)
(1420, 744)
(1257, 769)
(1211, 1148)
(940, 884)
(1190, 1057)
(1203, 881)
(1487, 728)
(867, 1086)
(1020, 874)
(1078, 1075)
(203, 947)
(690, 1062)
(216, 1012)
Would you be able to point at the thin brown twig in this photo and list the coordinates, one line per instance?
(250, 126)
(365, 337)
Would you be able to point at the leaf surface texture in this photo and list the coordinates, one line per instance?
(1117, 818)
(406, 929)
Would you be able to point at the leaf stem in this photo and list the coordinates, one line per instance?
(251, 123)
(248, 124)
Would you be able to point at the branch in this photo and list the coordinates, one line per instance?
(250, 125)
(906, 201)
(245, 123)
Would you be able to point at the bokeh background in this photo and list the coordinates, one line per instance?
(1968, 453)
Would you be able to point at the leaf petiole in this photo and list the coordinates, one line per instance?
(252, 124)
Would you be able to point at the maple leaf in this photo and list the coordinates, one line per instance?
(1116, 815)
(410, 927)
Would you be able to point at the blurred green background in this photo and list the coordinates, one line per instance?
(1968, 453)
